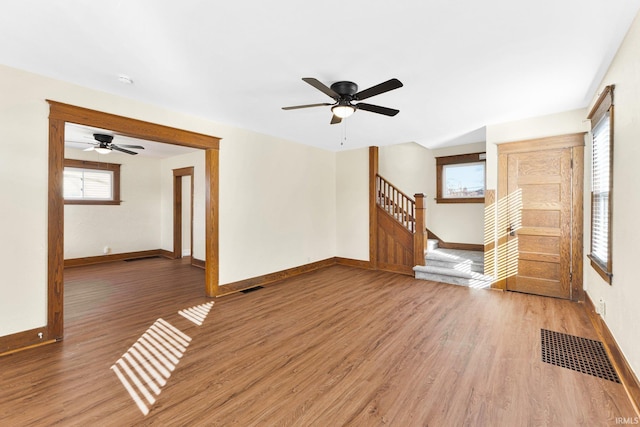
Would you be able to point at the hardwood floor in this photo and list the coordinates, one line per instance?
(338, 346)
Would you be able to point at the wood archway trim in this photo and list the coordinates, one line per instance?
(59, 114)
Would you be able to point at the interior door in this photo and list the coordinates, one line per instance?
(539, 222)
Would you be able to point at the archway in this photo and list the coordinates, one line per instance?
(59, 114)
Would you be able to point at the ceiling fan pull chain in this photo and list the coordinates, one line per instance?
(344, 133)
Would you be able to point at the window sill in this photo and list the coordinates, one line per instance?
(602, 271)
(92, 202)
(460, 200)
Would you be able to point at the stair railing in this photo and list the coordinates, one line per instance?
(396, 203)
(411, 214)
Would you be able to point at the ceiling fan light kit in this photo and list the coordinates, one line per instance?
(343, 111)
(104, 145)
(345, 92)
(102, 150)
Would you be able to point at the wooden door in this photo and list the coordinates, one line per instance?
(541, 216)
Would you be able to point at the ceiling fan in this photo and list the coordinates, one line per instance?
(344, 93)
(104, 145)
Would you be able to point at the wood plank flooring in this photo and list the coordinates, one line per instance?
(338, 346)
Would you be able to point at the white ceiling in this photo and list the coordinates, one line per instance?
(465, 64)
(81, 137)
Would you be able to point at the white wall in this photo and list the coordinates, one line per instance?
(412, 168)
(622, 297)
(134, 225)
(277, 198)
(352, 204)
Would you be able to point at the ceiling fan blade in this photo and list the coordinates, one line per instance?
(89, 149)
(335, 120)
(115, 147)
(70, 141)
(377, 109)
(321, 87)
(378, 89)
(137, 147)
(295, 107)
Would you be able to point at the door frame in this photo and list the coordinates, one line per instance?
(178, 174)
(59, 115)
(575, 142)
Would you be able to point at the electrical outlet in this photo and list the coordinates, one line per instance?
(602, 308)
(106, 250)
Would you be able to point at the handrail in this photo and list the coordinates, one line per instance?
(397, 204)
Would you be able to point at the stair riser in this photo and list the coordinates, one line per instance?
(476, 268)
(461, 281)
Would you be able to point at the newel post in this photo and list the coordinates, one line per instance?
(420, 233)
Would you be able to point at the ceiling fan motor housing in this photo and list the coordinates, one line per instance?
(103, 138)
(345, 88)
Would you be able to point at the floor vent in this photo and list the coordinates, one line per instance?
(140, 259)
(576, 353)
(246, 291)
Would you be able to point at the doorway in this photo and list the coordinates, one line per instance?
(540, 194)
(183, 212)
(59, 115)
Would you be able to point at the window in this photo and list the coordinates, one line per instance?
(601, 117)
(91, 183)
(460, 179)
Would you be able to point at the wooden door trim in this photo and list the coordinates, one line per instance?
(59, 114)
(212, 195)
(575, 142)
(540, 144)
(177, 210)
(577, 247)
(501, 240)
(373, 214)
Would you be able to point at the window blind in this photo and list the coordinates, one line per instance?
(602, 131)
(601, 160)
(88, 184)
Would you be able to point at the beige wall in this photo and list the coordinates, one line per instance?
(195, 160)
(537, 127)
(144, 220)
(352, 204)
(186, 216)
(412, 168)
(134, 225)
(277, 205)
(622, 297)
(277, 198)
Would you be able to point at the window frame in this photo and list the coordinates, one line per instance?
(101, 166)
(604, 106)
(459, 159)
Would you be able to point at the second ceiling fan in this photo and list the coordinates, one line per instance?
(344, 93)
(104, 145)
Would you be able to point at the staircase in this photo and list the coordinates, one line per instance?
(454, 266)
